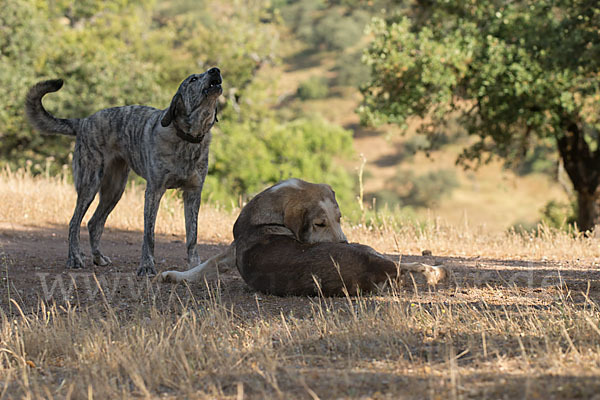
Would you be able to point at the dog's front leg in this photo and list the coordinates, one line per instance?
(151, 203)
(191, 205)
(209, 269)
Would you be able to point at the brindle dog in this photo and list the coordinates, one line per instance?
(168, 148)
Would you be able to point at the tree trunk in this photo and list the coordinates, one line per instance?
(583, 167)
(588, 210)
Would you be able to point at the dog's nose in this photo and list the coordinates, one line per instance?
(214, 71)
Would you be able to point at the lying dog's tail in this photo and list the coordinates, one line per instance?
(41, 119)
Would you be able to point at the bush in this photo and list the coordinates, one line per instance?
(416, 143)
(408, 189)
(313, 88)
(338, 32)
(554, 214)
(559, 215)
(91, 41)
(428, 189)
(351, 71)
(247, 157)
(542, 158)
(300, 17)
(383, 199)
(325, 26)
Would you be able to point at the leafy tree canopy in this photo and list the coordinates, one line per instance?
(514, 71)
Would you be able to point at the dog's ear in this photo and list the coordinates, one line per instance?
(176, 103)
(295, 218)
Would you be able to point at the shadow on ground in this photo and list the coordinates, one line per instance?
(32, 267)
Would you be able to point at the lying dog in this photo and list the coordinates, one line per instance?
(288, 241)
(168, 148)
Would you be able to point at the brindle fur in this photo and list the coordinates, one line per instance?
(276, 251)
(112, 141)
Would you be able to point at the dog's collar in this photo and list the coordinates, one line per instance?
(187, 137)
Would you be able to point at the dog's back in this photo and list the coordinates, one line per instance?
(283, 266)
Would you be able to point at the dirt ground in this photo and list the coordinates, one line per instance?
(33, 260)
(33, 269)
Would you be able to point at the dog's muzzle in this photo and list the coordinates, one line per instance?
(214, 84)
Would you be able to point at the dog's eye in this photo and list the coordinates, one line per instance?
(194, 79)
(320, 224)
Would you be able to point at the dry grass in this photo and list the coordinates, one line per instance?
(470, 338)
(44, 200)
(371, 347)
(49, 201)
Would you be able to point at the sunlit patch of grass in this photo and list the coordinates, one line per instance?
(42, 201)
(50, 200)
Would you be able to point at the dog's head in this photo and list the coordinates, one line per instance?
(310, 211)
(193, 109)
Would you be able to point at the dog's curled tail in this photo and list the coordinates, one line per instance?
(37, 115)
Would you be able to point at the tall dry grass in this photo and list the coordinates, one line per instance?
(479, 341)
(45, 200)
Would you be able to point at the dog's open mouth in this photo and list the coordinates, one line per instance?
(214, 87)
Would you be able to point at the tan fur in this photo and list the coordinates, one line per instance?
(288, 238)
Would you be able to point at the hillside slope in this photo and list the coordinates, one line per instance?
(492, 195)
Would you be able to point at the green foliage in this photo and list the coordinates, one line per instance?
(541, 158)
(82, 50)
(516, 65)
(408, 189)
(512, 70)
(327, 25)
(559, 215)
(420, 142)
(22, 35)
(351, 71)
(300, 17)
(313, 88)
(119, 52)
(337, 32)
(248, 157)
(239, 38)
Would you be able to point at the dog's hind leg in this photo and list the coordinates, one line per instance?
(433, 274)
(191, 205)
(86, 184)
(208, 269)
(111, 190)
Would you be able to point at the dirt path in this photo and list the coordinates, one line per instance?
(32, 269)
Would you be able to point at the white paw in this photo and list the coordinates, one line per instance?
(171, 276)
(437, 274)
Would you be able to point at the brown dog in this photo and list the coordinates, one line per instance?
(288, 241)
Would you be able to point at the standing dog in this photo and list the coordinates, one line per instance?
(288, 241)
(168, 148)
